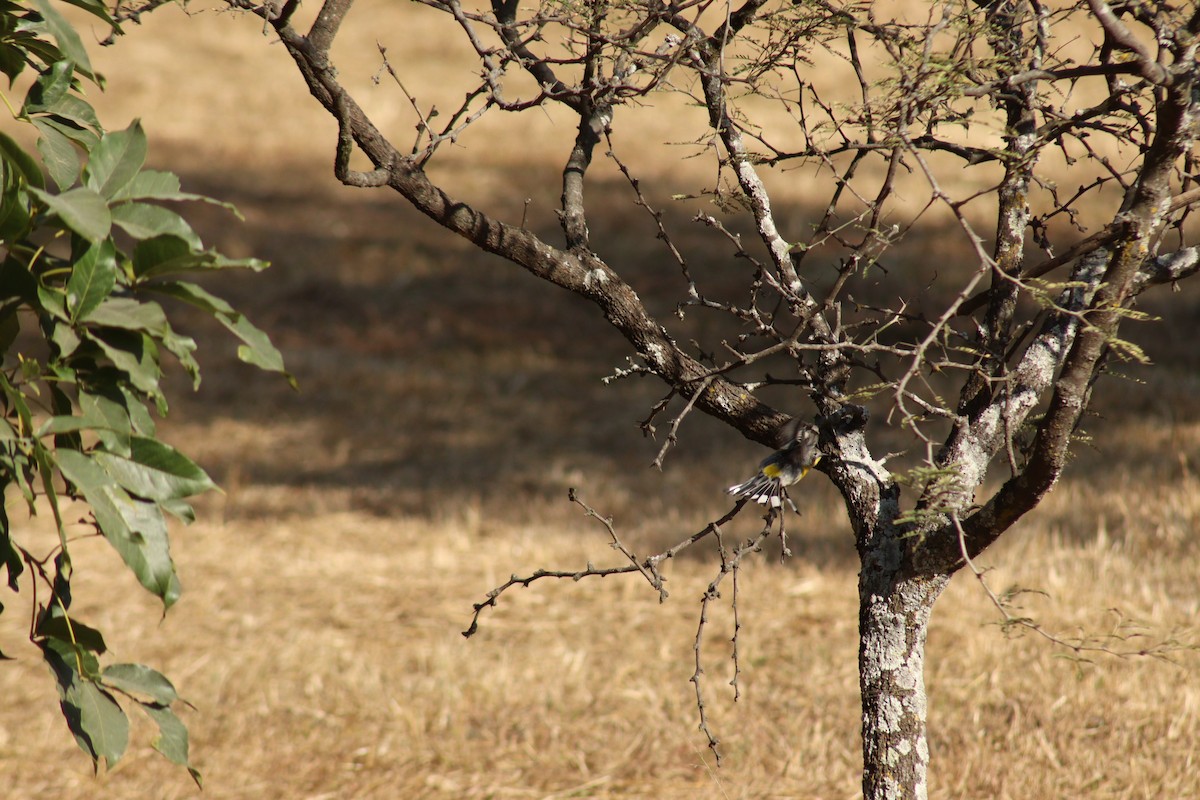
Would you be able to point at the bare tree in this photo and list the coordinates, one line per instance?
(995, 377)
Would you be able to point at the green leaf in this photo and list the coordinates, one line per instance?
(116, 159)
(102, 721)
(81, 209)
(155, 471)
(166, 255)
(257, 348)
(15, 215)
(64, 424)
(10, 326)
(44, 459)
(53, 301)
(21, 469)
(151, 184)
(108, 417)
(136, 529)
(139, 415)
(145, 221)
(183, 347)
(99, 725)
(180, 509)
(35, 42)
(140, 679)
(58, 154)
(71, 631)
(92, 279)
(129, 314)
(61, 588)
(82, 663)
(10, 559)
(63, 336)
(153, 256)
(24, 163)
(16, 281)
(96, 7)
(50, 87)
(172, 739)
(148, 317)
(64, 35)
(100, 415)
(61, 403)
(12, 58)
(197, 296)
(74, 119)
(133, 354)
(164, 186)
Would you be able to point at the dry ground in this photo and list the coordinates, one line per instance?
(447, 403)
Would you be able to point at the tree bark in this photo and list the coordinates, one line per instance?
(895, 605)
(893, 622)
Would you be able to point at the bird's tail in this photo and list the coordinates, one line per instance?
(760, 489)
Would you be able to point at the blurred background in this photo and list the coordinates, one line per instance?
(448, 400)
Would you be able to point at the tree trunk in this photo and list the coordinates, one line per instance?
(893, 621)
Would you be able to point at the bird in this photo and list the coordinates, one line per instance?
(782, 468)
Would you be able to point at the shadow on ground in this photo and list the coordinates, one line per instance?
(434, 378)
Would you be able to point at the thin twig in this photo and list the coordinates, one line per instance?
(1079, 646)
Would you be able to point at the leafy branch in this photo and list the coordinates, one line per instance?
(91, 243)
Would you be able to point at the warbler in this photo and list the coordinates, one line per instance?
(781, 469)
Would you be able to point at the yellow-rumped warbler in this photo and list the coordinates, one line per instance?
(781, 469)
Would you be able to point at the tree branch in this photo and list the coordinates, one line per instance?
(1148, 67)
(582, 273)
(974, 443)
(325, 27)
(1168, 269)
(506, 15)
(1148, 209)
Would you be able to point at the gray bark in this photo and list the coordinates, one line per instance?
(893, 623)
(895, 606)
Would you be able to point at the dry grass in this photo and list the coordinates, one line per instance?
(447, 403)
(323, 654)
